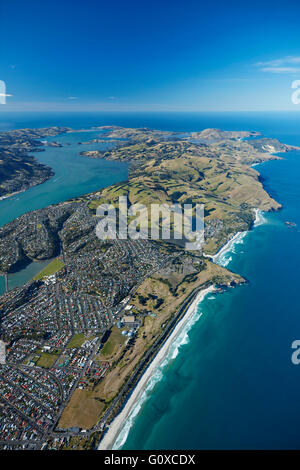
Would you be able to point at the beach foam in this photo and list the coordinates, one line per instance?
(224, 256)
(156, 377)
(119, 429)
(259, 218)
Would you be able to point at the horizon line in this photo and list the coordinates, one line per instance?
(150, 111)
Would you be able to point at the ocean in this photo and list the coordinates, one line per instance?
(228, 382)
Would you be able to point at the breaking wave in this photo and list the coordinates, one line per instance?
(180, 340)
(223, 258)
(259, 218)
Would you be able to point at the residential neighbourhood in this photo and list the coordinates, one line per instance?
(54, 330)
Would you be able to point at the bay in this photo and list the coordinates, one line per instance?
(231, 383)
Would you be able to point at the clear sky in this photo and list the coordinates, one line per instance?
(149, 55)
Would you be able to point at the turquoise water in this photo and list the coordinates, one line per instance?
(74, 175)
(231, 383)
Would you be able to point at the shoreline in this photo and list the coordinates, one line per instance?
(117, 425)
(70, 131)
(110, 438)
(228, 245)
(237, 238)
(15, 193)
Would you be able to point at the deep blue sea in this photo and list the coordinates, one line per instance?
(230, 382)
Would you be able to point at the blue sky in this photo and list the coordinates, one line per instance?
(149, 55)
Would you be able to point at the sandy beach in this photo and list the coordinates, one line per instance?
(119, 422)
(11, 194)
(227, 246)
(259, 219)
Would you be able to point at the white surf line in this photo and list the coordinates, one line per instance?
(218, 258)
(259, 218)
(119, 429)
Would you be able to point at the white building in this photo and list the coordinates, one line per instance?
(2, 352)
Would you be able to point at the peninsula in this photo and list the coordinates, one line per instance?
(80, 336)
